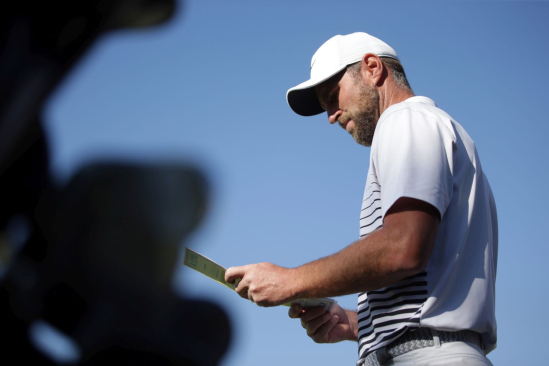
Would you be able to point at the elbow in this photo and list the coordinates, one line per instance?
(412, 265)
(411, 258)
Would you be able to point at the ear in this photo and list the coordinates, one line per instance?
(373, 69)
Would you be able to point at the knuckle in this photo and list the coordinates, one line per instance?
(317, 338)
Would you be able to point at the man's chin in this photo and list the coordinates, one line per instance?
(361, 140)
(364, 143)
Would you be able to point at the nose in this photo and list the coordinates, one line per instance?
(333, 116)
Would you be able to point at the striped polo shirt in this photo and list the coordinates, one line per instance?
(420, 152)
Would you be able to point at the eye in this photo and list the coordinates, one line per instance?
(333, 96)
(322, 104)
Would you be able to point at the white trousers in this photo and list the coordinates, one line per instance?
(448, 354)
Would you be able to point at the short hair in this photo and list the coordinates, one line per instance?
(397, 71)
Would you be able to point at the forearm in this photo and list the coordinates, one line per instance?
(368, 264)
(398, 250)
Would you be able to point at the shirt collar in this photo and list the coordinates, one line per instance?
(419, 99)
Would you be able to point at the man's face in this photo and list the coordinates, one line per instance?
(352, 103)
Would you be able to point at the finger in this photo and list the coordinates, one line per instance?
(317, 322)
(243, 293)
(232, 273)
(295, 311)
(322, 333)
(242, 289)
(310, 314)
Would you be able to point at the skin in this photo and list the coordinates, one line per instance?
(399, 249)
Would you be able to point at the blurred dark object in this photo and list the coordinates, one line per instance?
(40, 41)
(104, 280)
(85, 271)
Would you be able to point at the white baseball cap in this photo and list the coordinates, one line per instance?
(333, 56)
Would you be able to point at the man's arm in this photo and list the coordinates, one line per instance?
(401, 248)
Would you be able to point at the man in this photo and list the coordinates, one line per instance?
(425, 265)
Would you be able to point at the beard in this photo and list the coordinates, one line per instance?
(365, 115)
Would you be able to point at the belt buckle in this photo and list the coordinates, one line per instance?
(382, 355)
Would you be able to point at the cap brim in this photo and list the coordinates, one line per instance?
(304, 101)
(302, 98)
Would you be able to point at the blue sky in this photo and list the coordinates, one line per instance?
(208, 89)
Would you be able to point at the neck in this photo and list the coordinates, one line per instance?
(390, 94)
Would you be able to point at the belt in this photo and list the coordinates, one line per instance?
(418, 338)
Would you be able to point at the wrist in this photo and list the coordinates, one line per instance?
(353, 325)
(297, 284)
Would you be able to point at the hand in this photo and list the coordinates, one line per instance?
(326, 327)
(264, 283)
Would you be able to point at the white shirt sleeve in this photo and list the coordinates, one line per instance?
(412, 153)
